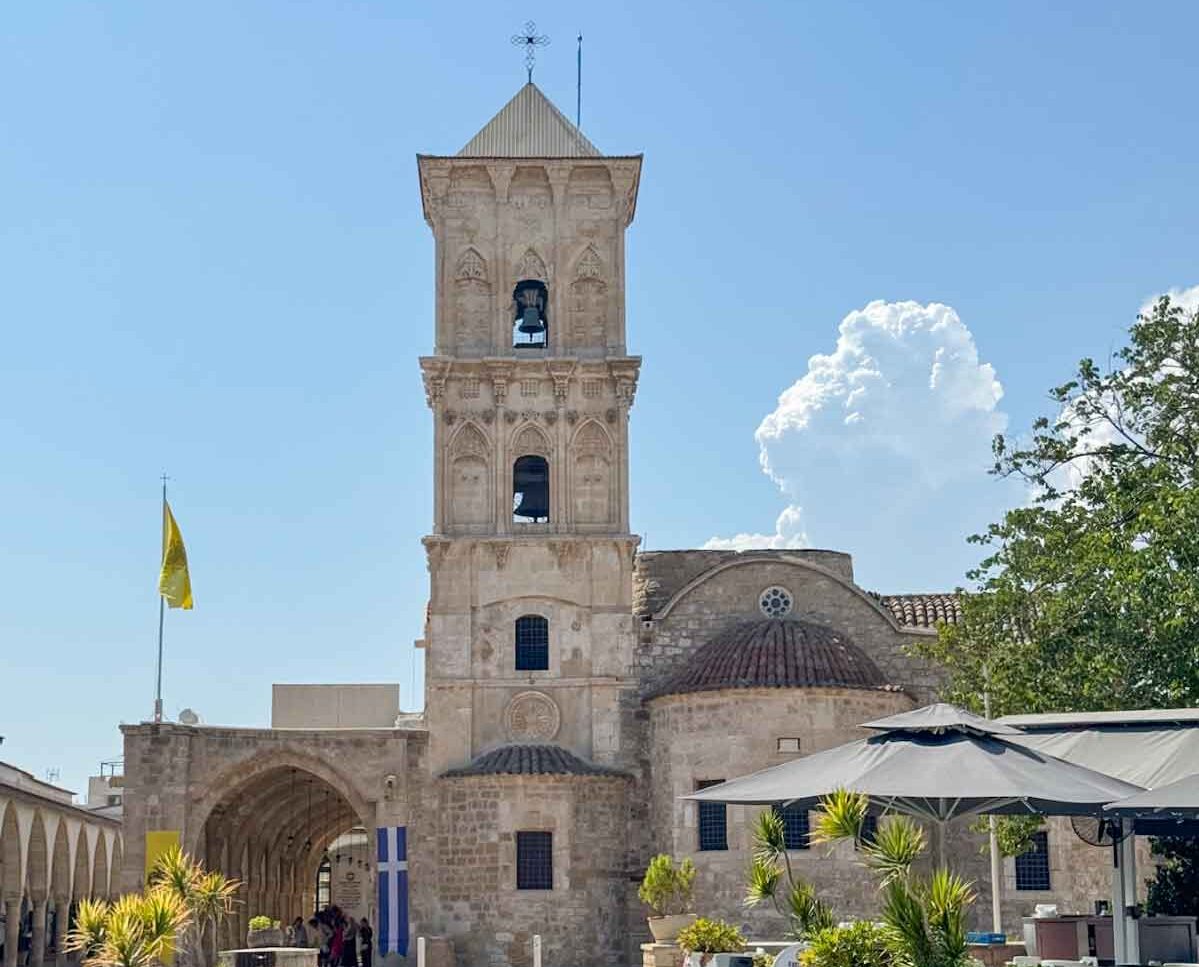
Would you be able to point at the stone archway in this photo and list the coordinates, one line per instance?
(268, 826)
(100, 865)
(81, 882)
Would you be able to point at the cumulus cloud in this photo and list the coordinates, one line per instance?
(884, 443)
(1101, 433)
(1187, 298)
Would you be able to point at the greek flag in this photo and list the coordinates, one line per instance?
(393, 890)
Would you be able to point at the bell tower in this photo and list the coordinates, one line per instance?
(529, 633)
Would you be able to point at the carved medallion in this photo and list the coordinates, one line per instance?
(532, 717)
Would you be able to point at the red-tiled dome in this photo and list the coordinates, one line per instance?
(774, 653)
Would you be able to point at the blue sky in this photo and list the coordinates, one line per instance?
(215, 264)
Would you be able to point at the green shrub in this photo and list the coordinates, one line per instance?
(667, 888)
(711, 937)
(262, 923)
(860, 944)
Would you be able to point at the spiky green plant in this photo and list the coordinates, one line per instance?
(91, 927)
(925, 917)
(169, 916)
(770, 878)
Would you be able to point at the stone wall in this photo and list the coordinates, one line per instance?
(724, 734)
(583, 919)
(479, 589)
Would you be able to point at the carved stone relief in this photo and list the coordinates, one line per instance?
(592, 452)
(469, 478)
(532, 717)
(472, 303)
(531, 441)
(531, 266)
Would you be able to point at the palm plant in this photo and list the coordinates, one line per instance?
(208, 896)
(137, 930)
(926, 918)
(771, 878)
(91, 927)
(143, 929)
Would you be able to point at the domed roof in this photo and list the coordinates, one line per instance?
(774, 653)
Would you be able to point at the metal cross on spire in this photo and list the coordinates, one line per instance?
(530, 40)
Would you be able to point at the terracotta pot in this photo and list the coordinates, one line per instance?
(667, 929)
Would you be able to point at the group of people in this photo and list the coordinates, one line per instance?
(343, 941)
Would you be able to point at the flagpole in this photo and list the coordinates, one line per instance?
(161, 612)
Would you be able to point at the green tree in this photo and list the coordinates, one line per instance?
(1088, 596)
(1174, 890)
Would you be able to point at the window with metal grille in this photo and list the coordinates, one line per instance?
(534, 860)
(869, 830)
(713, 820)
(1032, 868)
(532, 643)
(795, 826)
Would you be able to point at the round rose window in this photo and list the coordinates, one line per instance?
(775, 602)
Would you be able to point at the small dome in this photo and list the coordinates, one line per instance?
(774, 653)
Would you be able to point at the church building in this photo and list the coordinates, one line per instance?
(575, 688)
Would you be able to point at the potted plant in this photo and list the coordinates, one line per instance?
(666, 889)
(264, 932)
(711, 943)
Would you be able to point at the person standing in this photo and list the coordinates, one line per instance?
(349, 950)
(337, 943)
(366, 938)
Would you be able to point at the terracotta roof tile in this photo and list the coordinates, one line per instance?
(774, 653)
(922, 610)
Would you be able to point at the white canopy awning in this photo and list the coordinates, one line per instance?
(1148, 748)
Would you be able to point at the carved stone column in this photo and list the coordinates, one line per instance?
(62, 917)
(37, 945)
(12, 928)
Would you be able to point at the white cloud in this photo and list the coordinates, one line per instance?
(885, 443)
(788, 532)
(1102, 433)
(1187, 298)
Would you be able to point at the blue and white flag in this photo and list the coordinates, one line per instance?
(393, 890)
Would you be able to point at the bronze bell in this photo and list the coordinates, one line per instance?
(530, 299)
(531, 482)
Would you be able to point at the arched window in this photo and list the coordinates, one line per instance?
(529, 328)
(324, 883)
(531, 490)
(532, 643)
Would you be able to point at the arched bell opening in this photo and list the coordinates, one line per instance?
(271, 832)
(530, 325)
(531, 490)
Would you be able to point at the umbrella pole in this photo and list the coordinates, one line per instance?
(993, 832)
(996, 875)
(1118, 937)
(1129, 855)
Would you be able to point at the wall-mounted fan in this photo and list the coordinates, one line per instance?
(1098, 831)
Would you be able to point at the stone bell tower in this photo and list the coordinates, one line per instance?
(529, 633)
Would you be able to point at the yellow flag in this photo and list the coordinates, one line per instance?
(174, 583)
(158, 841)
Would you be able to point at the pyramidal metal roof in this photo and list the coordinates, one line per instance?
(529, 126)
